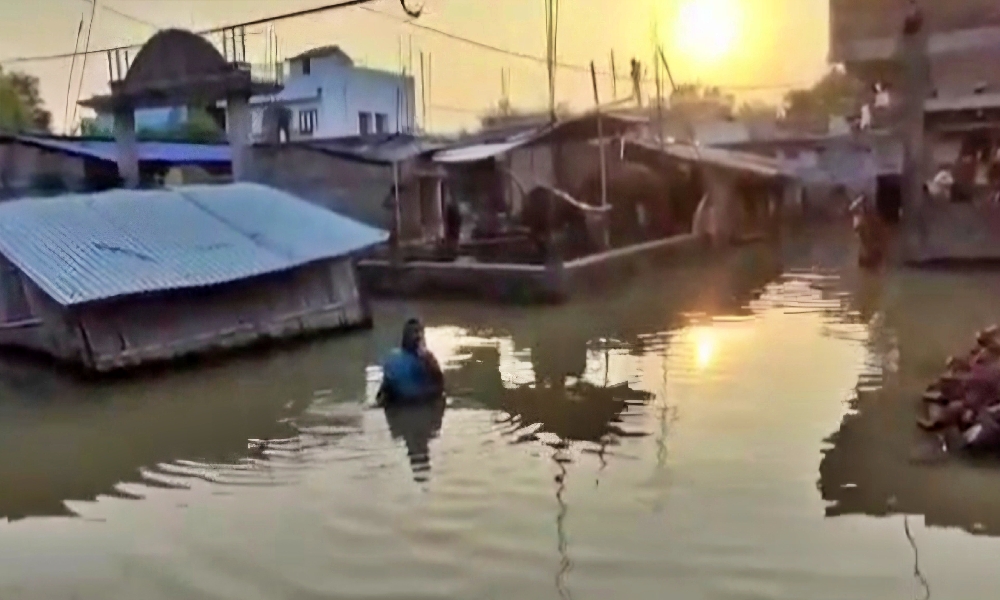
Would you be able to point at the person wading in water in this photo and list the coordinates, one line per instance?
(411, 374)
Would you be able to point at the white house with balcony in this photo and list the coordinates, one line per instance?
(328, 96)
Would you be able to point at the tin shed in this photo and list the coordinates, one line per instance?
(124, 277)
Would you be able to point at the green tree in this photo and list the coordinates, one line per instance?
(697, 102)
(504, 114)
(756, 111)
(199, 127)
(21, 106)
(90, 128)
(836, 94)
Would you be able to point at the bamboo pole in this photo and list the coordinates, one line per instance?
(397, 225)
(602, 151)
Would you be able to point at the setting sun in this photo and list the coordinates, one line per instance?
(707, 30)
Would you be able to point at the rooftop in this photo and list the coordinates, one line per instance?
(324, 52)
(92, 247)
(174, 153)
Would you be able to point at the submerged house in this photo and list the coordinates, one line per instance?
(35, 165)
(124, 277)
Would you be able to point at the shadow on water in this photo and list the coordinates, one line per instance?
(877, 462)
(65, 440)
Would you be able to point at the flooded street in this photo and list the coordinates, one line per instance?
(741, 430)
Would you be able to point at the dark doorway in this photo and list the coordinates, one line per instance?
(889, 197)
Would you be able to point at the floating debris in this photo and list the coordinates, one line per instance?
(964, 403)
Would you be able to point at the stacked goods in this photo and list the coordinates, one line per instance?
(966, 398)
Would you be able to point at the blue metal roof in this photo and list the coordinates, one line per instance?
(84, 248)
(177, 153)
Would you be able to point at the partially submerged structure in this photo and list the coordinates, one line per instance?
(381, 180)
(577, 203)
(124, 277)
(32, 165)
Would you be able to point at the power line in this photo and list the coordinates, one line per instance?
(72, 68)
(124, 15)
(543, 61)
(213, 30)
(83, 66)
(409, 22)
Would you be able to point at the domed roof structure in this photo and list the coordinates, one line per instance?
(179, 67)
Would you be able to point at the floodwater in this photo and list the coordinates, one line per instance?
(737, 430)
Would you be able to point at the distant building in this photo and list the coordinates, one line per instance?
(326, 96)
(964, 41)
(43, 165)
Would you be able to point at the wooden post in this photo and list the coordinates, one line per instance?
(614, 77)
(397, 226)
(602, 151)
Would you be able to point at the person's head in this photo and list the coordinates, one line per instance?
(413, 335)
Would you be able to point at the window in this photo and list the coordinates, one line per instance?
(308, 120)
(364, 123)
(306, 66)
(381, 123)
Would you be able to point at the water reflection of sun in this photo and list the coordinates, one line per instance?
(707, 30)
(704, 346)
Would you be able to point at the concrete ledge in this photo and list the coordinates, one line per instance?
(957, 233)
(512, 282)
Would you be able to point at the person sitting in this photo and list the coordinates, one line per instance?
(411, 374)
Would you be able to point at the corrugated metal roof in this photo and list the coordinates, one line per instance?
(477, 152)
(719, 157)
(83, 248)
(383, 149)
(177, 153)
(489, 144)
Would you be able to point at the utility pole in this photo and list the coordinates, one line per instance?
(916, 86)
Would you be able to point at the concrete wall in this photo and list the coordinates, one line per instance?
(852, 20)
(959, 232)
(359, 190)
(21, 164)
(338, 93)
(354, 189)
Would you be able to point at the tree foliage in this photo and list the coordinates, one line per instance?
(21, 106)
(756, 111)
(696, 102)
(504, 114)
(199, 127)
(835, 95)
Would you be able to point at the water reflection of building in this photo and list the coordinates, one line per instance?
(878, 463)
(66, 441)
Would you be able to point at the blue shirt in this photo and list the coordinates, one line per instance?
(406, 376)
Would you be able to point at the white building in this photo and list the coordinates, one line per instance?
(328, 96)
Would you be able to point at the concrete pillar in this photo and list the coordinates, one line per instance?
(127, 147)
(916, 85)
(238, 128)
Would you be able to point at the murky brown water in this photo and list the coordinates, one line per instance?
(740, 431)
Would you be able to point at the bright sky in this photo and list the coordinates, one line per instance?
(762, 44)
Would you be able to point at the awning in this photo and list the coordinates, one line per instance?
(477, 152)
(718, 157)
